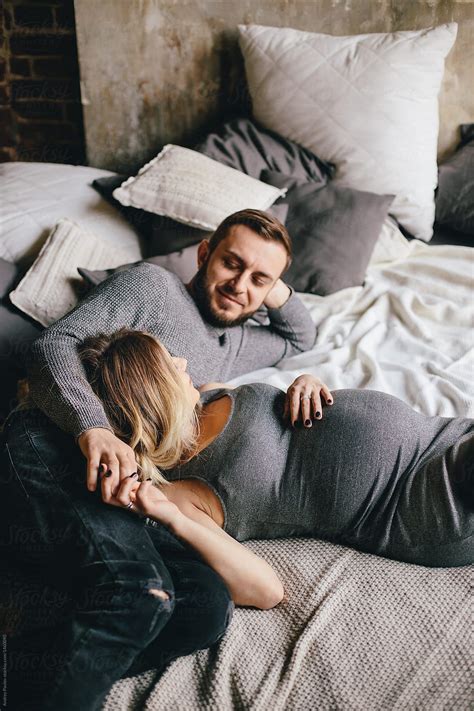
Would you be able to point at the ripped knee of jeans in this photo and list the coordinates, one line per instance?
(159, 593)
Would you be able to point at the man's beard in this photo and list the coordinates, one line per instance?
(200, 292)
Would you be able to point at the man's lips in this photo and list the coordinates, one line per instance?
(227, 296)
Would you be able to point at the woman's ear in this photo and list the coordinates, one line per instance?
(202, 252)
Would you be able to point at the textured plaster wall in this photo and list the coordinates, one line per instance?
(159, 71)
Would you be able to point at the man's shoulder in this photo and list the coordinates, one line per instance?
(148, 268)
(155, 274)
(157, 277)
(153, 268)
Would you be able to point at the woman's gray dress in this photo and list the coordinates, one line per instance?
(372, 474)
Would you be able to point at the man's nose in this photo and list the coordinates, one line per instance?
(239, 283)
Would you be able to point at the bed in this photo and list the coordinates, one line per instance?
(355, 631)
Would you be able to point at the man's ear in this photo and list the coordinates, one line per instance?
(202, 252)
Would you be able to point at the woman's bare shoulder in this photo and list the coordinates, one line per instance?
(216, 386)
(192, 495)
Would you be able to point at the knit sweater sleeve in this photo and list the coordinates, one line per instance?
(290, 331)
(57, 379)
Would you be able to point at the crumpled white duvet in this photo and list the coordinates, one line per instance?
(409, 331)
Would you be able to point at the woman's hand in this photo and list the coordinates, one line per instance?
(303, 399)
(147, 499)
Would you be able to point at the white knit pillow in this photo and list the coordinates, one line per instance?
(190, 187)
(47, 291)
(367, 103)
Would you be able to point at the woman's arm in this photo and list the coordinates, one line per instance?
(250, 579)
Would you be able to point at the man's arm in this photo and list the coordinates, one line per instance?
(58, 383)
(291, 331)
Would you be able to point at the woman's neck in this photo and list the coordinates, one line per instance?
(213, 419)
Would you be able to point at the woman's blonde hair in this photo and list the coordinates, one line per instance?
(144, 398)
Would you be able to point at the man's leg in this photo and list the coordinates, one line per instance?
(203, 606)
(99, 555)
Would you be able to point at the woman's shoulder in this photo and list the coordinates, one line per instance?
(246, 390)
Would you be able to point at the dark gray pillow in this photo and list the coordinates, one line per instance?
(333, 232)
(16, 334)
(246, 146)
(455, 193)
(16, 329)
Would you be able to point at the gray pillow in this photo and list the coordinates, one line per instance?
(333, 232)
(16, 334)
(16, 330)
(455, 194)
(245, 145)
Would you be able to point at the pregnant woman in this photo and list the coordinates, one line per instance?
(226, 465)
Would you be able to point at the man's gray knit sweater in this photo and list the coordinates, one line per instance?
(149, 298)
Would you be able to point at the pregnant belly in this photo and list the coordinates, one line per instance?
(349, 462)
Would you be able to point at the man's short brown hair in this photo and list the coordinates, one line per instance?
(262, 223)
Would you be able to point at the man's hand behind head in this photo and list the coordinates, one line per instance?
(278, 295)
(101, 446)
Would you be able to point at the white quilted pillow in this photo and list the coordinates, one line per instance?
(47, 291)
(192, 188)
(367, 103)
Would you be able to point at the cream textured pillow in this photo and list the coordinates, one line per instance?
(190, 187)
(367, 103)
(47, 291)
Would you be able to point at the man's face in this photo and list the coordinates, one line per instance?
(233, 281)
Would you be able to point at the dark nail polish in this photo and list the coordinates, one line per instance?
(307, 423)
(329, 402)
(108, 472)
(318, 415)
(132, 475)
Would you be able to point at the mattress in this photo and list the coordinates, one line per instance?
(357, 633)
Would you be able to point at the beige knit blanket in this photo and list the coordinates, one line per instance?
(357, 632)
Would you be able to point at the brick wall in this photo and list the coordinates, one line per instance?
(40, 109)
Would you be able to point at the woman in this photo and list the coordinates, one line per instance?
(227, 466)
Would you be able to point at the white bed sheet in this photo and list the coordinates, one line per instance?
(409, 331)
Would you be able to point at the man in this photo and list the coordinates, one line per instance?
(239, 270)
(206, 322)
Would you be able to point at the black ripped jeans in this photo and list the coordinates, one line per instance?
(77, 602)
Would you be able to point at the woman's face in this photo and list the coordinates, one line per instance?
(181, 365)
